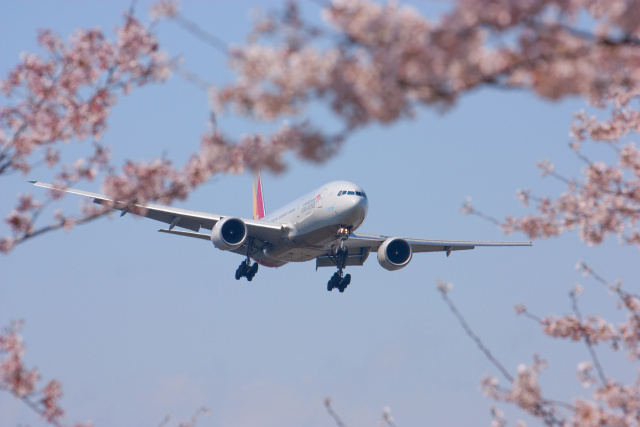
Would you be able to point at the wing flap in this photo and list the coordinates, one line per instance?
(186, 234)
(352, 259)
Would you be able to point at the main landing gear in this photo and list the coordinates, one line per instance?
(246, 269)
(337, 281)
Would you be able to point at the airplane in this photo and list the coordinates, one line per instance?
(318, 226)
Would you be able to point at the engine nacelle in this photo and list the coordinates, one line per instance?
(229, 233)
(394, 253)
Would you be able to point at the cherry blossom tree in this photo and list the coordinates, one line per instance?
(373, 63)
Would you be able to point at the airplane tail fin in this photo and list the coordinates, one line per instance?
(258, 201)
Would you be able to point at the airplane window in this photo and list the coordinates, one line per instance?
(340, 193)
(358, 193)
(364, 194)
(351, 193)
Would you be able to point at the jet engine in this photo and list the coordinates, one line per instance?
(229, 233)
(394, 253)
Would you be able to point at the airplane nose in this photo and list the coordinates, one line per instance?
(363, 206)
(355, 210)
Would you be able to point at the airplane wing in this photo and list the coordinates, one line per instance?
(373, 241)
(361, 245)
(191, 220)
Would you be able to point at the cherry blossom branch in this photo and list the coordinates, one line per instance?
(387, 418)
(192, 422)
(167, 9)
(193, 28)
(587, 340)
(525, 391)
(336, 418)
(468, 209)
(588, 271)
(21, 382)
(444, 289)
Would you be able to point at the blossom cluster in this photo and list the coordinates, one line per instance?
(606, 200)
(612, 402)
(391, 58)
(22, 382)
(67, 94)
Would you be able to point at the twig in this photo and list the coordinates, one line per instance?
(475, 338)
(336, 418)
(199, 32)
(587, 340)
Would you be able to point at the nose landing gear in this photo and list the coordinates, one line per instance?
(337, 281)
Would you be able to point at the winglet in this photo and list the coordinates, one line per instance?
(258, 201)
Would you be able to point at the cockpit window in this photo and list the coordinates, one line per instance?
(352, 193)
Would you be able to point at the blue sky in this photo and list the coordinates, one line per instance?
(137, 324)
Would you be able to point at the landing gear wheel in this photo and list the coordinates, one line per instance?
(338, 282)
(245, 269)
(252, 271)
(334, 282)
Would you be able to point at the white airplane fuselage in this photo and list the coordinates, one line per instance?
(314, 222)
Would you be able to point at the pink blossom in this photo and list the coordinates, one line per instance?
(6, 244)
(26, 203)
(525, 391)
(467, 207)
(585, 375)
(19, 222)
(587, 414)
(577, 290)
(498, 418)
(164, 9)
(13, 375)
(594, 328)
(52, 393)
(444, 287)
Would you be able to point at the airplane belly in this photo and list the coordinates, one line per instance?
(302, 247)
(291, 253)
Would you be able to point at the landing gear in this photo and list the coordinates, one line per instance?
(337, 281)
(246, 269)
